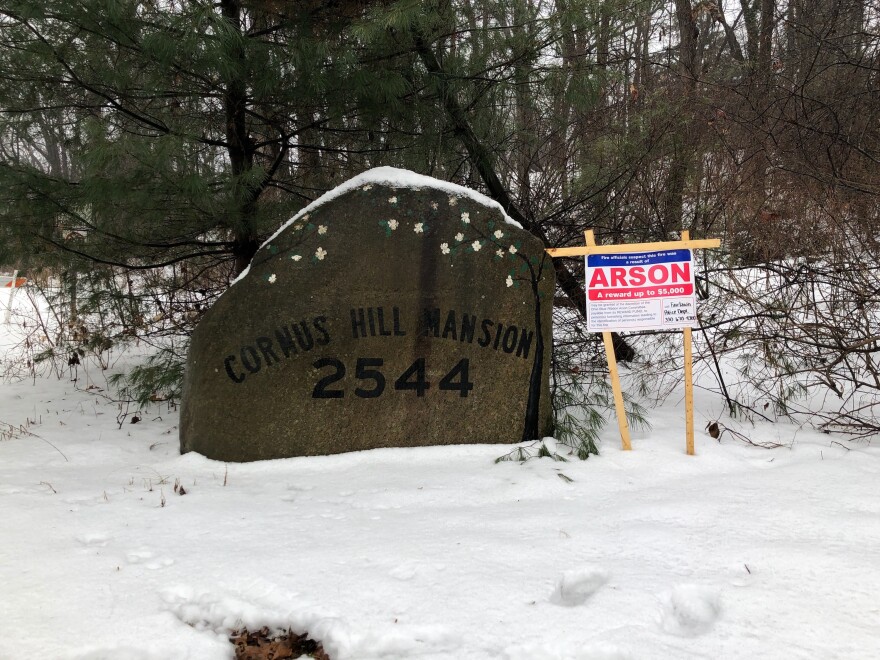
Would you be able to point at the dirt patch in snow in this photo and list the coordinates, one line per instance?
(263, 644)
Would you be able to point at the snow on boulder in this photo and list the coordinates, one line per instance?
(395, 311)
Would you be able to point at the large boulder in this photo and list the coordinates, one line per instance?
(395, 311)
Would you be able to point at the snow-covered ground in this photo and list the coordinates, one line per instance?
(431, 553)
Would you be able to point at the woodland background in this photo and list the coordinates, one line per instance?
(147, 148)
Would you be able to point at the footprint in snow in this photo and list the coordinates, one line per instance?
(148, 559)
(94, 539)
(690, 610)
(162, 562)
(404, 572)
(557, 650)
(577, 585)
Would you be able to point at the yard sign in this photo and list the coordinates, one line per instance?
(641, 286)
(651, 290)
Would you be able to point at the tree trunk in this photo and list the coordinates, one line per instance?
(684, 133)
(239, 145)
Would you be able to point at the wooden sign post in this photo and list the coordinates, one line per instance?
(636, 287)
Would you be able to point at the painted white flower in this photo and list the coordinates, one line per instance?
(512, 249)
(444, 248)
(419, 227)
(392, 224)
(305, 217)
(459, 237)
(509, 281)
(466, 218)
(476, 245)
(272, 278)
(392, 200)
(321, 253)
(499, 233)
(500, 253)
(369, 186)
(296, 257)
(322, 229)
(453, 201)
(434, 205)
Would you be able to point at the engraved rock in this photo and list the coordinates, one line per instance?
(395, 311)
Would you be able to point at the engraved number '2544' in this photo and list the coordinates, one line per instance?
(372, 380)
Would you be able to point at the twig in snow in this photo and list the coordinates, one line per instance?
(746, 439)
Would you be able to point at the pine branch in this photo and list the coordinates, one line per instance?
(122, 239)
(129, 266)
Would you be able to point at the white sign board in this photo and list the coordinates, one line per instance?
(641, 291)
